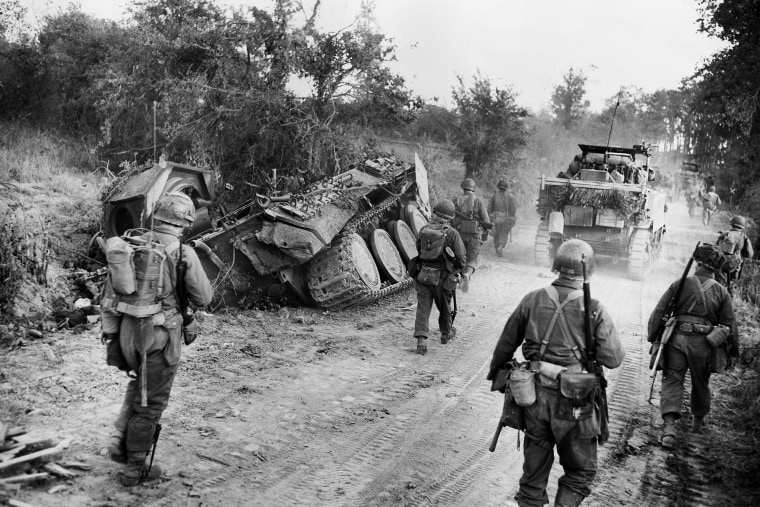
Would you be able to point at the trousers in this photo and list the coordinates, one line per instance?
(426, 296)
(684, 353)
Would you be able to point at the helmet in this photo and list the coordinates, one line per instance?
(468, 184)
(709, 256)
(445, 209)
(569, 255)
(175, 208)
(503, 185)
(711, 189)
(739, 222)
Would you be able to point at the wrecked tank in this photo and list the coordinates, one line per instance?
(338, 242)
(606, 198)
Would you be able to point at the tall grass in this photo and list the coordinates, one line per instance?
(30, 155)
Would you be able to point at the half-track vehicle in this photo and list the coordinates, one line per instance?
(605, 198)
(337, 242)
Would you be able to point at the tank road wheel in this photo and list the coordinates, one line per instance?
(542, 246)
(343, 275)
(640, 254)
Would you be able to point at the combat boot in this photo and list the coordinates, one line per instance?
(669, 432)
(698, 424)
(567, 498)
(117, 447)
(446, 338)
(137, 472)
(421, 345)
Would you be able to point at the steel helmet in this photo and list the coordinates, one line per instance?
(502, 185)
(738, 222)
(711, 189)
(569, 255)
(445, 209)
(175, 208)
(709, 256)
(468, 184)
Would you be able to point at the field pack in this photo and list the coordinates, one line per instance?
(728, 242)
(432, 243)
(136, 269)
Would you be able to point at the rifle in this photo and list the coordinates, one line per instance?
(592, 366)
(188, 320)
(667, 323)
(153, 453)
(454, 311)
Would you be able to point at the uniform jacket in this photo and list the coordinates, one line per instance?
(453, 241)
(502, 202)
(710, 200)
(530, 320)
(718, 308)
(470, 205)
(168, 336)
(743, 246)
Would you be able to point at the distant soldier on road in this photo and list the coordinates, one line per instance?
(702, 306)
(549, 324)
(710, 203)
(736, 246)
(693, 192)
(441, 260)
(471, 217)
(501, 209)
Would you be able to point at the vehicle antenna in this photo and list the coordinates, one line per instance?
(612, 123)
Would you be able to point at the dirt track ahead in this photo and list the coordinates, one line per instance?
(305, 407)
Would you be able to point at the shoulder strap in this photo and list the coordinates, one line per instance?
(553, 294)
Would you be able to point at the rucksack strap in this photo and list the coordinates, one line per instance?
(559, 316)
(701, 289)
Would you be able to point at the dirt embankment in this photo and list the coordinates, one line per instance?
(306, 407)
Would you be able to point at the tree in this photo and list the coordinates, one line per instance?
(489, 126)
(567, 102)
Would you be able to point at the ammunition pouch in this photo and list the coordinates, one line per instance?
(512, 414)
(578, 387)
(429, 276)
(469, 227)
(414, 267)
(689, 327)
(718, 360)
(189, 329)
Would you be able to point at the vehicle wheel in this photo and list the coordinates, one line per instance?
(640, 254)
(343, 275)
(543, 251)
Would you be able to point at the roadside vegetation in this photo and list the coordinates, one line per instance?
(81, 98)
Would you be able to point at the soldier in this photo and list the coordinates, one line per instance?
(441, 260)
(692, 196)
(471, 216)
(501, 209)
(702, 306)
(710, 203)
(148, 390)
(736, 246)
(552, 343)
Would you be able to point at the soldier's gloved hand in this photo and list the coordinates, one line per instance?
(189, 329)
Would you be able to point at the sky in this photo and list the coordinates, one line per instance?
(526, 45)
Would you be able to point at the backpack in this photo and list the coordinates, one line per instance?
(432, 243)
(136, 278)
(728, 242)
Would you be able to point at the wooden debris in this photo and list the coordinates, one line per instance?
(76, 464)
(5, 456)
(56, 489)
(60, 471)
(44, 456)
(18, 503)
(25, 478)
(212, 458)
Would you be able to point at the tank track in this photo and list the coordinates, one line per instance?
(334, 283)
(542, 255)
(640, 254)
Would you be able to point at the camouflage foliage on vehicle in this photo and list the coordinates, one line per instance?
(626, 204)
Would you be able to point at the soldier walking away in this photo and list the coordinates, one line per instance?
(551, 325)
(736, 247)
(692, 196)
(151, 352)
(704, 329)
(710, 203)
(470, 221)
(501, 210)
(441, 260)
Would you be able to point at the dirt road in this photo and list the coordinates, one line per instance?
(304, 407)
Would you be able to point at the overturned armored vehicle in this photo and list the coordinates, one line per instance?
(604, 197)
(337, 242)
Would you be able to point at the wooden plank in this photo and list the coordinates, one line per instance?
(46, 455)
(25, 478)
(5, 456)
(60, 471)
(18, 503)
